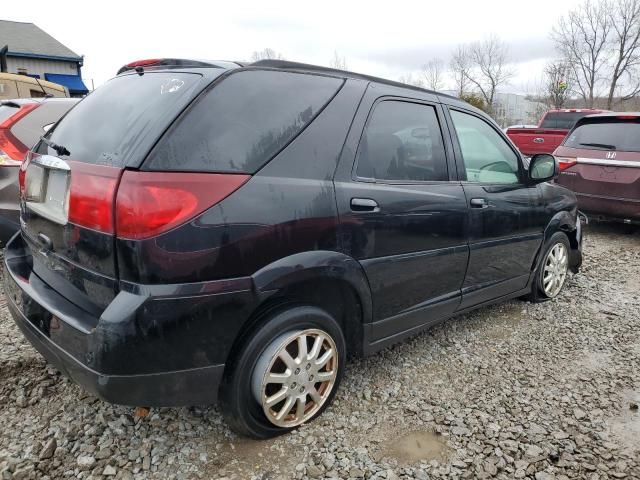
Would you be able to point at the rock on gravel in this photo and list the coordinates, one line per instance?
(516, 390)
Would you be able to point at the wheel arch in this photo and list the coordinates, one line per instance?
(566, 222)
(329, 280)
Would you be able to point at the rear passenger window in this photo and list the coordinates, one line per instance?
(240, 124)
(402, 141)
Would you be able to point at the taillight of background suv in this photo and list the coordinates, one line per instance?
(12, 150)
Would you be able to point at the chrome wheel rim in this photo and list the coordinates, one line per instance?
(294, 376)
(555, 270)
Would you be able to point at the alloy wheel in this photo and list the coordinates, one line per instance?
(555, 270)
(294, 376)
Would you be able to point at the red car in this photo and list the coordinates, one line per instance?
(600, 162)
(553, 128)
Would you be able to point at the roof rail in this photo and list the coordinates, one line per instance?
(285, 64)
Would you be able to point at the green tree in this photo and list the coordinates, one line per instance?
(475, 100)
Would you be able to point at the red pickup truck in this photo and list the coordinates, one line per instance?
(550, 133)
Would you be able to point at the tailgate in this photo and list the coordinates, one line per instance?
(69, 182)
(604, 177)
(533, 141)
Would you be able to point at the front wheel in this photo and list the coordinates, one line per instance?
(286, 373)
(554, 267)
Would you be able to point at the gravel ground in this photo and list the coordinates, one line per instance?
(515, 390)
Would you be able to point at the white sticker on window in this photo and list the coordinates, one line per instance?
(171, 86)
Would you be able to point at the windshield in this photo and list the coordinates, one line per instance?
(120, 121)
(562, 120)
(608, 135)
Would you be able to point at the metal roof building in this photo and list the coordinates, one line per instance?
(32, 51)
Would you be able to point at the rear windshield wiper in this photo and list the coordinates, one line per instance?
(599, 145)
(60, 150)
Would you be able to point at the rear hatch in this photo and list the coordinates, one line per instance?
(69, 182)
(600, 158)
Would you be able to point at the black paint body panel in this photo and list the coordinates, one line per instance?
(170, 310)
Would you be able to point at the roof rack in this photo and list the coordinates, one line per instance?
(285, 64)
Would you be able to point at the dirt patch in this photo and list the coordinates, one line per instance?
(414, 447)
(625, 428)
(246, 458)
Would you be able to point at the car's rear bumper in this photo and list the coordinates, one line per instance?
(187, 387)
(610, 208)
(134, 354)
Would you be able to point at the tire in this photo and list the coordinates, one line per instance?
(244, 391)
(553, 268)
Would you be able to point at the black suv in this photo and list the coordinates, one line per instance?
(194, 231)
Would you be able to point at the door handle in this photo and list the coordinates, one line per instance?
(364, 205)
(479, 203)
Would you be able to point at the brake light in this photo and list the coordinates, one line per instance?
(91, 195)
(144, 63)
(23, 172)
(150, 203)
(627, 117)
(566, 162)
(12, 150)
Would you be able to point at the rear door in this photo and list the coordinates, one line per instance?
(402, 211)
(69, 184)
(504, 230)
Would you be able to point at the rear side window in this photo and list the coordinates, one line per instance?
(623, 135)
(124, 116)
(402, 141)
(241, 123)
(562, 120)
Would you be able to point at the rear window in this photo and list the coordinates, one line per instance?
(562, 120)
(613, 134)
(6, 111)
(121, 120)
(243, 122)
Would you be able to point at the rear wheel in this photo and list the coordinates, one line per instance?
(286, 373)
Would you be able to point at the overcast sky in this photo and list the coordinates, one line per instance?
(388, 39)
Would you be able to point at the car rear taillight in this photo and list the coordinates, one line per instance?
(566, 162)
(92, 192)
(150, 203)
(12, 150)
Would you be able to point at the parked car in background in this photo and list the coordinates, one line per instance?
(553, 127)
(22, 123)
(13, 85)
(232, 232)
(600, 162)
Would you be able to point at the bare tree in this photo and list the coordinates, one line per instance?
(410, 80)
(582, 38)
(338, 61)
(460, 68)
(624, 17)
(433, 73)
(266, 54)
(489, 67)
(557, 85)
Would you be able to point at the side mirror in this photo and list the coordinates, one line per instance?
(542, 168)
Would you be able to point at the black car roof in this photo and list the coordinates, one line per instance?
(285, 64)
